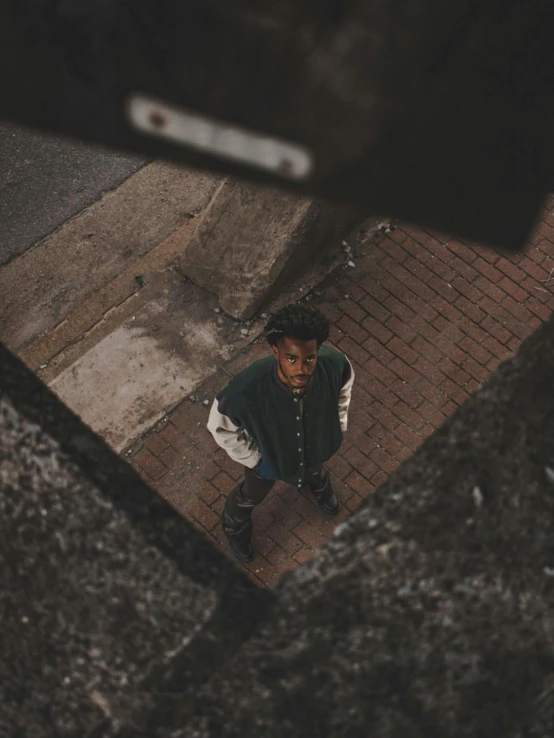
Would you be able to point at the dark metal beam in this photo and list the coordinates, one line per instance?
(438, 113)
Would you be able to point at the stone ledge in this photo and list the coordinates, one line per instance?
(104, 585)
(253, 242)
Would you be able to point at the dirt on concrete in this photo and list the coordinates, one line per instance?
(48, 282)
(146, 364)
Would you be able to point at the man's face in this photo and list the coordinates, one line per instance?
(297, 360)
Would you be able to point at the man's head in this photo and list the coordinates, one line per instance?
(295, 334)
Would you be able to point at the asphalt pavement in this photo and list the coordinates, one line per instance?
(45, 180)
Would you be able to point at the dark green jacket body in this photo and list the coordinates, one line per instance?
(292, 433)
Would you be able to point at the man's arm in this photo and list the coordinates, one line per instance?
(232, 438)
(345, 396)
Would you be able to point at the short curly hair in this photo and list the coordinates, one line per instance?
(297, 321)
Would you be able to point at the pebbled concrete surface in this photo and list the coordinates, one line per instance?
(45, 180)
(107, 594)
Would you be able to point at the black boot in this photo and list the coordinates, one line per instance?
(324, 496)
(332, 506)
(239, 534)
(239, 541)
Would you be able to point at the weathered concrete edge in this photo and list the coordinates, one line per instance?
(89, 313)
(254, 241)
(241, 604)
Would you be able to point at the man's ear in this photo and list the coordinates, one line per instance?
(275, 351)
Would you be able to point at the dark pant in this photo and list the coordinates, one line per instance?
(236, 517)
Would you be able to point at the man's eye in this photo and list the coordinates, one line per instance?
(309, 360)
(291, 360)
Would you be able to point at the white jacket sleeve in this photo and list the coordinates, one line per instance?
(232, 438)
(344, 400)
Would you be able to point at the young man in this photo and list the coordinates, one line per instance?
(283, 418)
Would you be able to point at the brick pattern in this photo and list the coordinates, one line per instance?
(425, 319)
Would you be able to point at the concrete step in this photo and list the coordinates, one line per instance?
(103, 312)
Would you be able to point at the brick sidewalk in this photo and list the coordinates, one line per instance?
(425, 319)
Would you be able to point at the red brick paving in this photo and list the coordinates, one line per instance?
(425, 319)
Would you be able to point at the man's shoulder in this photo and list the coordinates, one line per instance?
(251, 377)
(332, 355)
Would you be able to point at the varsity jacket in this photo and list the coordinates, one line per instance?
(262, 424)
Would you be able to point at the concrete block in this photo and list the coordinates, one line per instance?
(107, 594)
(253, 241)
(429, 612)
